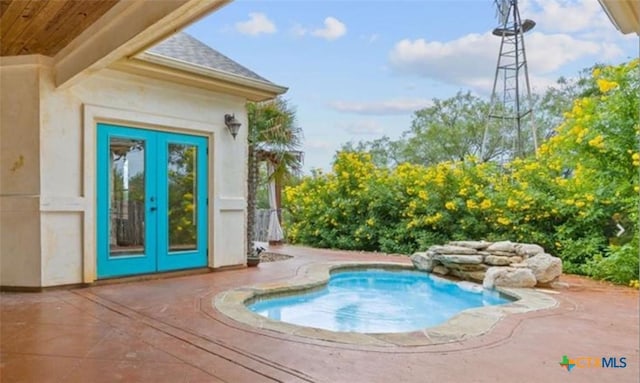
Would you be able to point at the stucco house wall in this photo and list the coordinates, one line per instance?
(19, 175)
(48, 202)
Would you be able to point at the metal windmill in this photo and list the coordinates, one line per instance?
(511, 95)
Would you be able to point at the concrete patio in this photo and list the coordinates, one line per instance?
(167, 330)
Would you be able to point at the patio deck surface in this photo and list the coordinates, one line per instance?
(166, 330)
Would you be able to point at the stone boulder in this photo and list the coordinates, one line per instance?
(467, 266)
(440, 270)
(476, 245)
(497, 260)
(503, 246)
(504, 263)
(508, 277)
(422, 261)
(545, 267)
(503, 253)
(459, 250)
(476, 276)
(458, 258)
(527, 250)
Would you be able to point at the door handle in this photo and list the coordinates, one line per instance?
(153, 208)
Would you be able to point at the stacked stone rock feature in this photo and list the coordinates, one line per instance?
(495, 264)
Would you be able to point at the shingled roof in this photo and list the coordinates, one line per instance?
(186, 48)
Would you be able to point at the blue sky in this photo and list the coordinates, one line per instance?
(356, 70)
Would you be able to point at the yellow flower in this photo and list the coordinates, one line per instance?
(531, 166)
(577, 109)
(580, 204)
(543, 149)
(596, 72)
(597, 142)
(433, 218)
(471, 204)
(636, 159)
(422, 195)
(485, 204)
(605, 85)
(371, 222)
(504, 221)
(450, 205)
(511, 203)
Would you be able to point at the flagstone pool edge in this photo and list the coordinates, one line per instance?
(467, 324)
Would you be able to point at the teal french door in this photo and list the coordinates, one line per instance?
(152, 201)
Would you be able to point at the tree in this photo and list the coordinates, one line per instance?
(549, 108)
(449, 130)
(384, 151)
(272, 131)
(453, 128)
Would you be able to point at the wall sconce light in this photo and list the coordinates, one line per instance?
(232, 124)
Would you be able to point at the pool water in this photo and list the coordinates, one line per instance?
(378, 301)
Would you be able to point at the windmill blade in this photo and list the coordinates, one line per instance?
(502, 10)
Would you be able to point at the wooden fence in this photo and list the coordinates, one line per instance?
(261, 226)
(127, 225)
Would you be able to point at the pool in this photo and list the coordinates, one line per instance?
(377, 301)
(312, 277)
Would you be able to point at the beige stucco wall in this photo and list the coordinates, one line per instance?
(67, 159)
(20, 174)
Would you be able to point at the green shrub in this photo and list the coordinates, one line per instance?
(582, 182)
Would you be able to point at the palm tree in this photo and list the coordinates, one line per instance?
(273, 136)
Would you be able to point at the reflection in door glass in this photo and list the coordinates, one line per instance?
(127, 198)
(182, 202)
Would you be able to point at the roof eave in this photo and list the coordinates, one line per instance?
(171, 69)
(625, 15)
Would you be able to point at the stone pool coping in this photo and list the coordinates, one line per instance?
(468, 323)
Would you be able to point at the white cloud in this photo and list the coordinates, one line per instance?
(333, 29)
(387, 107)
(471, 60)
(257, 24)
(547, 53)
(362, 128)
(467, 60)
(565, 15)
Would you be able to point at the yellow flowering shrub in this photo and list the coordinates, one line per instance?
(582, 182)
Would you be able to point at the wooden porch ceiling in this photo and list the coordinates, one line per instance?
(45, 26)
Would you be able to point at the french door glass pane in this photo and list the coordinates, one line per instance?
(127, 197)
(182, 181)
